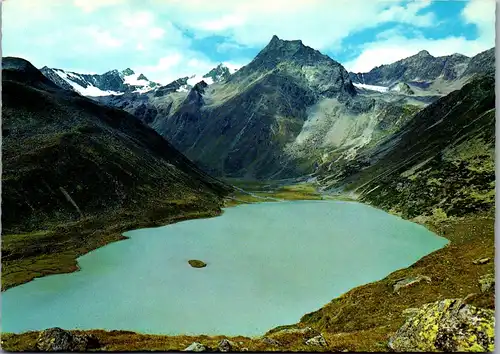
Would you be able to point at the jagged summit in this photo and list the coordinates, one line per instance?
(309, 67)
(218, 74)
(424, 53)
(128, 72)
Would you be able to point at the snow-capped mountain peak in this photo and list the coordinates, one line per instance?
(112, 82)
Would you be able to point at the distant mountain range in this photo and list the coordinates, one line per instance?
(290, 110)
(115, 83)
(423, 67)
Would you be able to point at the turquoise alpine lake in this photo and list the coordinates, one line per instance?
(268, 264)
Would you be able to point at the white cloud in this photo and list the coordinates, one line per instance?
(482, 14)
(141, 19)
(321, 24)
(225, 47)
(393, 46)
(223, 23)
(156, 32)
(104, 38)
(408, 14)
(396, 48)
(92, 5)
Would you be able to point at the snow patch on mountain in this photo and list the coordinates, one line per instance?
(90, 90)
(134, 81)
(193, 80)
(372, 87)
(183, 88)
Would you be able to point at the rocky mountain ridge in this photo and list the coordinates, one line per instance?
(292, 108)
(422, 70)
(113, 82)
(116, 83)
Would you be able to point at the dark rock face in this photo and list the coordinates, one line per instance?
(59, 340)
(483, 63)
(423, 67)
(171, 87)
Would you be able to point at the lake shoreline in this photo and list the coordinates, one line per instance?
(254, 343)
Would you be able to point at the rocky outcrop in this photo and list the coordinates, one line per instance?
(195, 347)
(449, 325)
(225, 346)
(410, 281)
(481, 261)
(271, 341)
(487, 282)
(403, 88)
(307, 331)
(59, 340)
(218, 74)
(318, 341)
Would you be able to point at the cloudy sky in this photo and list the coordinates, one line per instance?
(168, 39)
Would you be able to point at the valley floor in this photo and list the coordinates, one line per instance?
(362, 319)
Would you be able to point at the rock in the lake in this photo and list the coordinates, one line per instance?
(487, 282)
(57, 340)
(195, 263)
(481, 261)
(225, 345)
(410, 281)
(448, 325)
(317, 341)
(195, 347)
